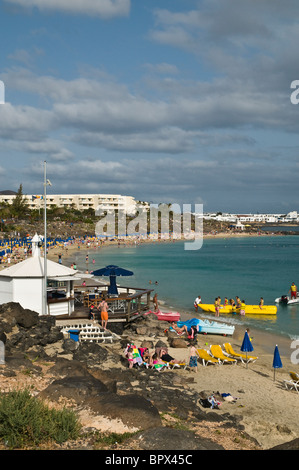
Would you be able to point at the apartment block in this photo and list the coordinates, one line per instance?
(106, 202)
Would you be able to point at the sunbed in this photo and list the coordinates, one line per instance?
(217, 352)
(242, 357)
(293, 383)
(206, 358)
(173, 365)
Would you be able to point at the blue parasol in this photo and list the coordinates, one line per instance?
(277, 364)
(246, 346)
(112, 271)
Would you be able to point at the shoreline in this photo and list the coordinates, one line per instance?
(264, 407)
(264, 340)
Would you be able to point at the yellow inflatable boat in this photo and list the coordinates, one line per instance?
(249, 309)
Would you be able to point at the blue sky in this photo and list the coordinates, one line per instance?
(181, 101)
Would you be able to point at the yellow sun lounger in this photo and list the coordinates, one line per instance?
(173, 365)
(293, 383)
(229, 350)
(206, 358)
(217, 352)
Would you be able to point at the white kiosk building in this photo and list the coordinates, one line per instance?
(24, 283)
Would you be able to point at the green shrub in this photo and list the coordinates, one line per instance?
(27, 421)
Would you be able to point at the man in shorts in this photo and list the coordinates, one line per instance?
(103, 306)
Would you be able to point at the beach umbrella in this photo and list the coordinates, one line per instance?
(277, 364)
(112, 271)
(246, 346)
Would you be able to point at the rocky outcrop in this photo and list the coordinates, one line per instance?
(165, 438)
(136, 397)
(291, 445)
(25, 329)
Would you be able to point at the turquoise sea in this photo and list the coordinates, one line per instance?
(250, 267)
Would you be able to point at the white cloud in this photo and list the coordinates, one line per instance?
(101, 8)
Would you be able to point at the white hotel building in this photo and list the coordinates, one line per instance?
(106, 202)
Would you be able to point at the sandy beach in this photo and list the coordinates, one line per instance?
(266, 408)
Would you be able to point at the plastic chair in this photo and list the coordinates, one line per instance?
(206, 358)
(242, 357)
(217, 352)
(292, 384)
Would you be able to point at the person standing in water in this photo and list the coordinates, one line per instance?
(293, 291)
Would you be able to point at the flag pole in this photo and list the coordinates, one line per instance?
(46, 182)
(45, 240)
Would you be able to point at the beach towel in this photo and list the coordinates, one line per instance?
(142, 351)
(137, 359)
(228, 397)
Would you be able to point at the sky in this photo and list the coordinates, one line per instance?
(173, 101)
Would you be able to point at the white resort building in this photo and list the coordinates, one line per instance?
(105, 202)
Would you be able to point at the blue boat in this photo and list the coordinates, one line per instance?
(206, 326)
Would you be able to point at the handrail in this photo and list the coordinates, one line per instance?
(62, 299)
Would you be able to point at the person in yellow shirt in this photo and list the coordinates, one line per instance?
(293, 291)
(242, 308)
(238, 302)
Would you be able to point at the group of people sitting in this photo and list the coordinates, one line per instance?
(235, 304)
(238, 304)
(138, 356)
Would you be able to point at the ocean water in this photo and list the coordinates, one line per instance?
(250, 267)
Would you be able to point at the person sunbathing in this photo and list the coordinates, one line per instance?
(167, 357)
(179, 330)
(156, 360)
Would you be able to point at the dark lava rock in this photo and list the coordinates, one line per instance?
(77, 388)
(163, 438)
(64, 367)
(91, 353)
(13, 313)
(291, 445)
(19, 362)
(132, 410)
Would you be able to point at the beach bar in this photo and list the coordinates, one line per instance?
(123, 307)
(24, 283)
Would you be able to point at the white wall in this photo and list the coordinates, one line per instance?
(6, 289)
(29, 293)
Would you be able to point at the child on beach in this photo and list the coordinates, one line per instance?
(193, 358)
(157, 362)
(91, 312)
(130, 357)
